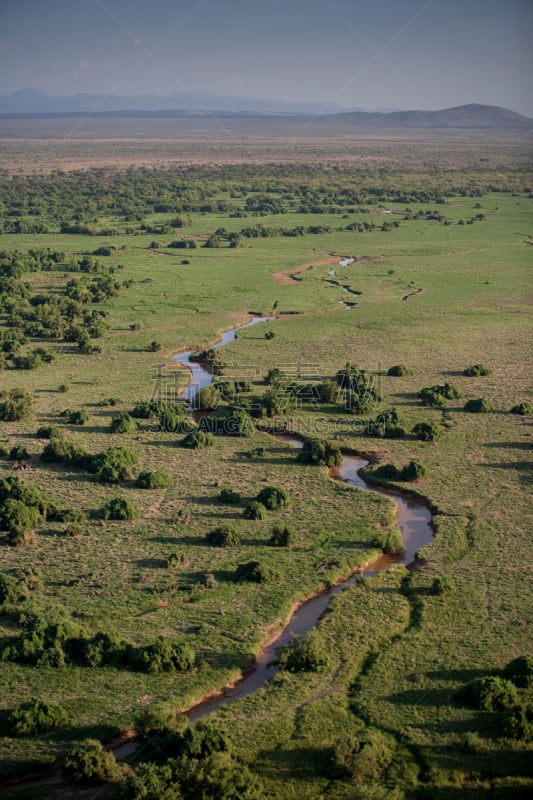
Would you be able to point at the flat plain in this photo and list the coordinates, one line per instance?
(444, 288)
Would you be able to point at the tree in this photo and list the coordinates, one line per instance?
(88, 762)
(198, 439)
(255, 510)
(282, 536)
(17, 518)
(18, 453)
(253, 571)
(413, 471)
(167, 656)
(523, 409)
(120, 508)
(35, 717)
(78, 417)
(389, 541)
(225, 535)
(303, 654)
(274, 497)
(399, 370)
(153, 480)
(229, 496)
(427, 431)
(478, 406)
(476, 370)
(519, 671)
(123, 423)
(321, 452)
(15, 405)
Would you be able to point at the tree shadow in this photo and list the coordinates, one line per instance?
(151, 563)
(294, 764)
(510, 445)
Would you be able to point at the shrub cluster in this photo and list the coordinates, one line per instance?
(21, 509)
(225, 535)
(387, 425)
(36, 716)
(478, 406)
(54, 644)
(153, 480)
(303, 654)
(438, 395)
(477, 370)
(254, 572)
(321, 452)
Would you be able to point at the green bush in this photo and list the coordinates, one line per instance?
(18, 453)
(442, 584)
(488, 694)
(225, 535)
(282, 536)
(387, 472)
(174, 559)
(274, 497)
(153, 480)
(207, 398)
(3, 451)
(427, 431)
(158, 718)
(88, 762)
(123, 423)
(12, 590)
(519, 671)
(387, 425)
(68, 515)
(120, 508)
(523, 409)
(476, 370)
(303, 654)
(198, 439)
(15, 405)
(517, 722)
(255, 510)
(413, 471)
(106, 649)
(399, 370)
(363, 757)
(166, 656)
(17, 518)
(328, 392)
(253, 571)
(229, 496)
(478, 406)
(36, 716)
(151, 782)
(49, 432)
(321, 452)
(439, 394)
(78, 417)
(112, 465)
(389, 541)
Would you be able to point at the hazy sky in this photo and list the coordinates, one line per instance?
(372, 53)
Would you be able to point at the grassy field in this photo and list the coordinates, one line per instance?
(397, 655)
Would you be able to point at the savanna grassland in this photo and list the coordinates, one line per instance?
(118, 268)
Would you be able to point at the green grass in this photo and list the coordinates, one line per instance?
(473, 308)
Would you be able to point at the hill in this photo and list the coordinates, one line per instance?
(473, 115)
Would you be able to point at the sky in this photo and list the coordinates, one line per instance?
(405, 54)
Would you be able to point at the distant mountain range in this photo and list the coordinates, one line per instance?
(473, 115)
(32, 101)
(200, 105)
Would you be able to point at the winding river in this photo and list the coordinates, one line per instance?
(413, 518)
